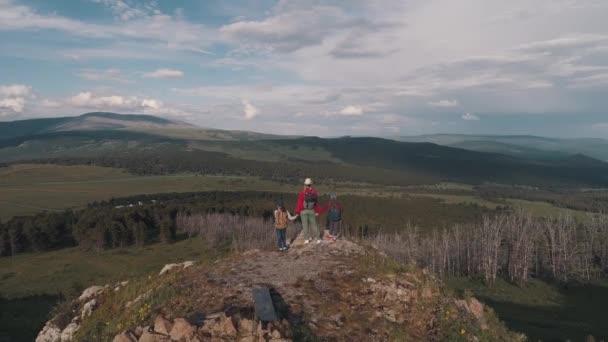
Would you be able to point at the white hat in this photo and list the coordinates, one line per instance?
(308, 181)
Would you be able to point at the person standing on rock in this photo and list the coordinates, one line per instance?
(334, 215)
(308, 210)
(281, 219)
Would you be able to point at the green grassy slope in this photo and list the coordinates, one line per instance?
(546, 311)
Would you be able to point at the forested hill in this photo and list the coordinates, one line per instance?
(150, 145)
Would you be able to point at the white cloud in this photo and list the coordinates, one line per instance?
(151, 103)
(352, 111)
(249, 110)
(164, 73)
(470, 117)
(112, 75)
(14, 104)
(444, 103)
(15, 90)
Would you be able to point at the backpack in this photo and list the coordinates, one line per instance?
(280, 218)
(310, 200)
(334, 214)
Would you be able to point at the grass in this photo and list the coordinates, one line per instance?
(545, 311)
(31, 284)
(544, 209)
(28, 189)
(460, 199)
(536, 208)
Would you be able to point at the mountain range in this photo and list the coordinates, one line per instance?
(525, 146)
(148, 144)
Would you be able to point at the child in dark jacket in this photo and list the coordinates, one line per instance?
(334, 215)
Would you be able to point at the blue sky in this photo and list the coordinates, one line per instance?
(335, 67)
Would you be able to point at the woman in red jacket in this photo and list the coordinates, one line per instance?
(308, 210)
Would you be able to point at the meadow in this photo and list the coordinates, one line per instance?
(27, 189)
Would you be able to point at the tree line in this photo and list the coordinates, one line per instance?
(144, 219)
(516, 246)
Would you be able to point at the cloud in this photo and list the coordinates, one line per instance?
(352, 111)
(15, 90)
(111, 75)
(444, 103)
(289, 30)
(249, 110)
(138, 24)
(15, 104)
(151, 103)
(164, 73)
(125, 12)
(470, 117)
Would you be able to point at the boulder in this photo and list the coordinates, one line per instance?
(247, 339)
(147, 336)
(125, 337)
(167, 268)
(162, 325)
(228, 329)
(88, 307)
(474, 307)
(171, 267)
(275, 335)
(68, 333)
(90, 292)
(182, 329)
(246, 327)
(50, 333)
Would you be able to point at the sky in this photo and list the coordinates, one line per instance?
(312, 67)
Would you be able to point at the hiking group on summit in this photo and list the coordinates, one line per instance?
(307, 209)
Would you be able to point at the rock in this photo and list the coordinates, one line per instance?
(139, 298)
(138, 331)
(474, 307)
(162, 325)
(50, 333)
(275, 335)
(170, 267)
(246, 327)
(88, 308)
(228, 328)
(125, 337)
(167, 268)
(247, 339)
(68, 333)
(90, 292)
(181, 329)
(149, 337)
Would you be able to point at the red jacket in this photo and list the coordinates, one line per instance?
(301, 197)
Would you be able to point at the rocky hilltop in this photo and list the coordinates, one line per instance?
(333, 291)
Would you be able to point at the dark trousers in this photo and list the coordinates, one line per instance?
(281, 237)
(334, 227)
